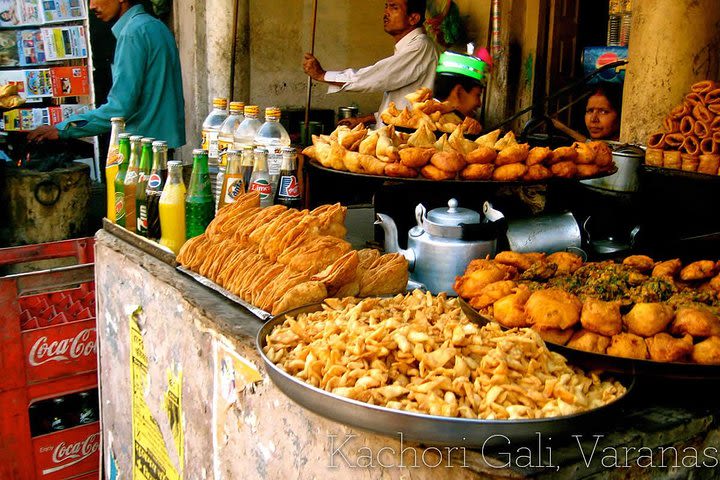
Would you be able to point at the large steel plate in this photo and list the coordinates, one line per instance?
(418, 427)
(612, 364)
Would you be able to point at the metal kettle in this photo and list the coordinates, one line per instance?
(444, 241)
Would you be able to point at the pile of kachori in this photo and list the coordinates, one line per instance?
(641, 308)
(279, 258)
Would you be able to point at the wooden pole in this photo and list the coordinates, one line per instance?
(309, 81)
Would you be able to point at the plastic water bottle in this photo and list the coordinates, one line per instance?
(211, 128)
(246, 131)
(273, 136)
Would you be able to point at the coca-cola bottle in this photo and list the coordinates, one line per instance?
(288, 189)
(260, 180)
(40, 418)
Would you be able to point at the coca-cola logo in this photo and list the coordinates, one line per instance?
(44, 351)
(154, 181)
(70, 454)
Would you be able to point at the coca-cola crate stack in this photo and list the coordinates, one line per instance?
(49, 426)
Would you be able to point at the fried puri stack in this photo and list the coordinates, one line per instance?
(662, 311)
(389, 152)
(419, 353)
(278, 258)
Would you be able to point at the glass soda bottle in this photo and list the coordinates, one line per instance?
(146, 156)
(211, 128)
(155, 185)
(233, 184)
(288, 191)
(260, 179)
(226, 141)
(246, 131)
(131, 179)
(59, 415)
(172, 209)
(199, 201)
(247, 163)
(88, 408)
(112, 163)
(119, 183)
(273, 136)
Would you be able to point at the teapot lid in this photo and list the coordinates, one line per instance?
(453, 215)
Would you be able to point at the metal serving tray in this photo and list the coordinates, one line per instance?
(612, 364)
(418, 427)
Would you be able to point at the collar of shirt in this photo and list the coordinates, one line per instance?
(405, 41)
(123, 21)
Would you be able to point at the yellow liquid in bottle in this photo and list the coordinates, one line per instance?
(172, 217)
(110, 174)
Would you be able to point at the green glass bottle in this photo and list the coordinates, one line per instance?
(146, 157)
(124, 161)
(199, 202)
(131, 178)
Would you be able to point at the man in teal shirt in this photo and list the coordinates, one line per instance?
(147, 84)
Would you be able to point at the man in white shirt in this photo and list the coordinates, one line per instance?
(411, 66)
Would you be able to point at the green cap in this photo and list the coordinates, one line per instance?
(466, 65)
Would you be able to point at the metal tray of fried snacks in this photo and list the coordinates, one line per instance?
(259, 313)
(613, 364)
(552, 180)
(674, 173)
(425, 428)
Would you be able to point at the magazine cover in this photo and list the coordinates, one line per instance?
(8, 48)
(14, 77)
(38, 83)
(63, 10)
(65, 42)
(9, 15)
(69, 81)
(31, 48)
(29, 12)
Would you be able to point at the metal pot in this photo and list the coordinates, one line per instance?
(628, 159)
(347, 112)
(545, 233)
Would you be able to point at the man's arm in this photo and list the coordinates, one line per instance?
(314, 70)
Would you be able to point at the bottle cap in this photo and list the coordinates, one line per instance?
(231, 152)
(174, 164)
(219, 102)
(252, 110)
(117, 119)
(237, 107)
(248, 147)
(136, 138)
(124, 135)
(272, 112)
(148, 140)
(199, 151)
(261, 150)
(159, 143)
(288, 151)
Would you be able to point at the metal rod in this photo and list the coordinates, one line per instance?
(233, 50)
(309, 82)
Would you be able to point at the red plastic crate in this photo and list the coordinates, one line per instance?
(47, 350)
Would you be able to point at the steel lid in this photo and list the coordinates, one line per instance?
(453, 216)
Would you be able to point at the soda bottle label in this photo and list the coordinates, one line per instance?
(210, 143)
(142, 222)
(142, 177)
(274, 161)
(204, 143)
(234, 189)
(154, 181)
(114, 159)
(288, 187)
(119, 205)
(263, 187)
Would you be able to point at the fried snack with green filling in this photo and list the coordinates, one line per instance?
(641, 263)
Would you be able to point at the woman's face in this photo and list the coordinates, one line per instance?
(601, 119)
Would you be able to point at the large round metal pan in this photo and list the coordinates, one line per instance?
(674, 173)
(612, 364)
(553, 180)
(422, 428)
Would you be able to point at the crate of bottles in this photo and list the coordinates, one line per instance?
(49, 426)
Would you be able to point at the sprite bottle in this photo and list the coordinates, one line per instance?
(199, 202)
(146, 156)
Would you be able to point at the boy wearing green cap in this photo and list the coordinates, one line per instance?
(460, 81)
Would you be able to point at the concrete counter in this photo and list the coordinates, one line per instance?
(184, 395)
